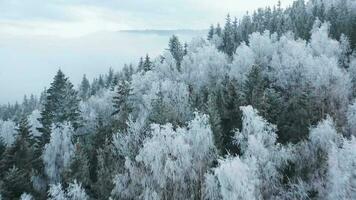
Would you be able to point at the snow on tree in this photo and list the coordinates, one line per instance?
(25, 196)
(351, 118)
(263, 46)
(96, 107)
(258, 143)
(56, 192)
(34, 123)
(256, 174)
(173, 161)
(76, 192)
(233, 179)
(8, 131)
(242, 62)
(73, 192)
(58, 152)
(204, 67)
(341, 179)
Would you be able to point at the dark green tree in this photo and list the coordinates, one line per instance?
(84, 89)
(121, 103)
(147, 64)
(176, 49)
(78, 168)
(211, 32)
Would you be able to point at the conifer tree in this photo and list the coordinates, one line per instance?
(109, 78)
(218, 30)
(15, 182)
(140, 65)
(147, 64)
(228, 45)
(78, 168)
(176, 49)
(121, 104)
(21, 153)
(84, 89)
(211, 32)
(254, 87)
(61, 105)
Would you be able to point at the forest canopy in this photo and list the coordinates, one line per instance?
(263, 108)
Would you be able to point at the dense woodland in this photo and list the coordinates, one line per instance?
(263, 108)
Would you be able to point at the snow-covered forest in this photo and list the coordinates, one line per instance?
(264, 107)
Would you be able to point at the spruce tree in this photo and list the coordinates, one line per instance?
(78, 168)
(61, 105)
(228, 45)
(84, 89)
(211, 32)
(109, 78)
(254, 87)
(218, 30)
(16, 163)
(140, 65)
(176, 49)
(147, 64)
(121, 104)
(14, 183)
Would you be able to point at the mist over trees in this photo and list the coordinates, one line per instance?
(264, 108)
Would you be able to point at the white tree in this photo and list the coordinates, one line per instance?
(351, 118)
(25, 196)
(34, 123)
(56, 192)
(75, 191)
(8, 131)
(233, 179)
(171, 162)
(256, 174)
(58, 152)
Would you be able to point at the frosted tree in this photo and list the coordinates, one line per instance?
(58, 152)
(34, 123)
(26, 196)
(8, 132)
(351, 118)
(341, 171)
(176, 49)
(56, 192)
(258, 144)
(233, 179)
(76, 192)
(173, 162)
(84, 89)
(73, 192)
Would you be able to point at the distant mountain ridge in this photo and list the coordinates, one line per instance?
(166, 31)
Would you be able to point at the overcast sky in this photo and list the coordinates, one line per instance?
(69, 18)
(37, 37)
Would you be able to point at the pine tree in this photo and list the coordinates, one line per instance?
(61, 105)
(140, 65)
(105, 171)
(211, 32)
(109, 78)
(84, 89)
(15, 182)
(147, 64)
(230, 103)
(218, 30)
(176, 49)
(21, 153)
(228, 45)
(121, 104)
(254, 87)
(78, 168)
(215, 121)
